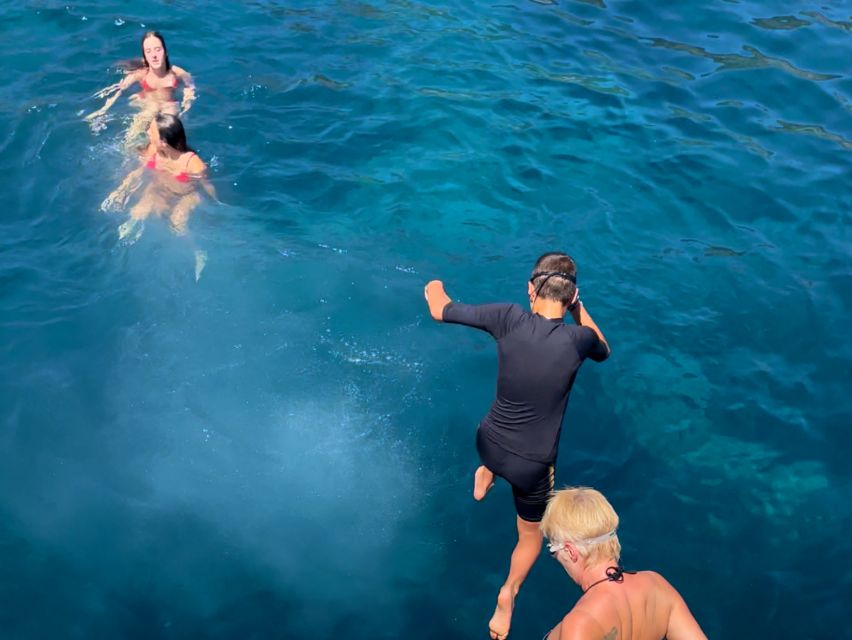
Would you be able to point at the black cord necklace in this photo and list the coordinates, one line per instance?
(613, 574)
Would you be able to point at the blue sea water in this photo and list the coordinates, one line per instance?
(285, 448)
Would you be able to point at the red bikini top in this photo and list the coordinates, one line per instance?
(148, 87)
(183, 176)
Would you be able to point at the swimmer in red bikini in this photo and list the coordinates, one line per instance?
(175, 171)
(158, 78)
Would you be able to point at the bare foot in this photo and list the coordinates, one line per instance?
(500, 622)
(130, 230)
(483, 480)
(200, 263)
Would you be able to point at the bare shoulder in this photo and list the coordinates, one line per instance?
(654, 576)
(196, 164)
(581, 624)
(180, 72)
(133, 76)
(659, 582)
(682, 625)
(145, 153)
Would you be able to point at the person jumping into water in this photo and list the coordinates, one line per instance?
(518, 439)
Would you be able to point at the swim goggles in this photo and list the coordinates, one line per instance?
(551, 274)
(554, 547)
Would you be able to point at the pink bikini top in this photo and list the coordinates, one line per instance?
(148, 87)
(183, 176)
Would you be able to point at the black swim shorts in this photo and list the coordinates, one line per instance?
(532, 482)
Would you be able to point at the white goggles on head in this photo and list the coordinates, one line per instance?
(553, 547)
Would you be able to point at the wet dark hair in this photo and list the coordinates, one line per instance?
(172, 132)
(554, 277)
(159, 36)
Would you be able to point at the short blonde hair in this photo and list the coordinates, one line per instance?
(580, 514)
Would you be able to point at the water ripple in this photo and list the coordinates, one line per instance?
(694, 162)
(736, 62)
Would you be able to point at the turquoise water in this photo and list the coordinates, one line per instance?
(285, 448)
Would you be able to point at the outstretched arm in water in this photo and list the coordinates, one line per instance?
(209, 188)
(188, 89)
(116, 90)
(118, 198)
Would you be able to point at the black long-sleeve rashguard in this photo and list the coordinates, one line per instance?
(538, 361)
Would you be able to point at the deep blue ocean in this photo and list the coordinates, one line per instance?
(285, 448)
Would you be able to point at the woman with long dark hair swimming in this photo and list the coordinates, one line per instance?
(175, 172)
(158, 79)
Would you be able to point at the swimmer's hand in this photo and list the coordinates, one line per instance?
(200, 263)
(113, 91)
(436, 298)
(116, 200)
(184, 107)
(188, 92)
(106, 91)
(130, 231)
(94, 115)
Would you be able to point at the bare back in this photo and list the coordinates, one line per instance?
(642, 607)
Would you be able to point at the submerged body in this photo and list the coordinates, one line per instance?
(158, 80)
(170, 188)
(174, 174)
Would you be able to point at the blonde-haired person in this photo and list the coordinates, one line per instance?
(581, 526)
